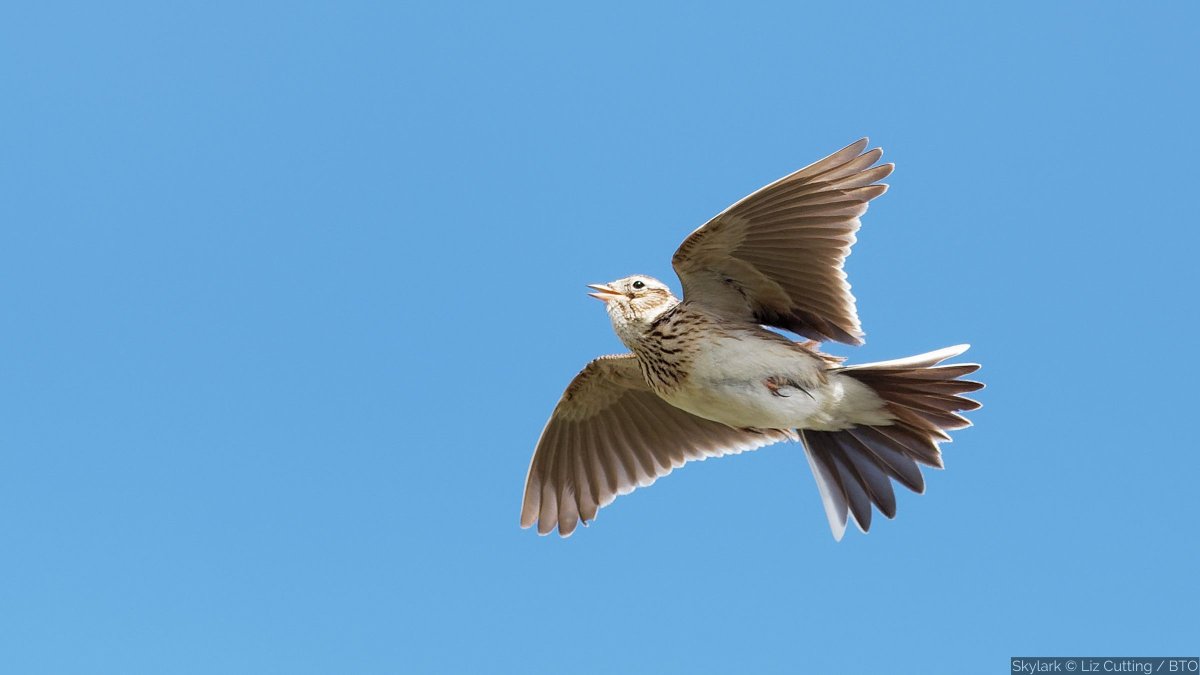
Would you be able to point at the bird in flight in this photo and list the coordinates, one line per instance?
(706, 378)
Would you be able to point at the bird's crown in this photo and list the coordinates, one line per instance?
(634, 303)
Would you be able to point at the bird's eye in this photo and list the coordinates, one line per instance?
(639, 285)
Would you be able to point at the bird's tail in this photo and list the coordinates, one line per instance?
(853, 466)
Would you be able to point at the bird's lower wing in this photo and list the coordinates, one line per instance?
(610, 434)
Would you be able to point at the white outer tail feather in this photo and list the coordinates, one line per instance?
(924, 399)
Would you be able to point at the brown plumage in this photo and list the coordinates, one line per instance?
(705, 379)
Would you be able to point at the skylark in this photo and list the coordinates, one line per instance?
(705, 377)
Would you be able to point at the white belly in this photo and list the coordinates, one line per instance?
(737, 382)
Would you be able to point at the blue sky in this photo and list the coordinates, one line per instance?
(290, 289)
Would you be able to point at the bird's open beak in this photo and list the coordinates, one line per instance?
(603, 292)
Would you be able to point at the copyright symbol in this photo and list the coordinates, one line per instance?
(1070, 665)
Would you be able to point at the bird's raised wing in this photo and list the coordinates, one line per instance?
(775, 257)
(610, 434)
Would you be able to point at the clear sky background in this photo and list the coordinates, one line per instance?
(290, 289)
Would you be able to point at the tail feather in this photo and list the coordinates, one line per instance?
(919, 447)
(825, 471)
(852, 466)
(873, 477)
(883, 451)
(845, 487)
(919, 361)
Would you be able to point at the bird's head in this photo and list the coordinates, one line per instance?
(634, 303)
